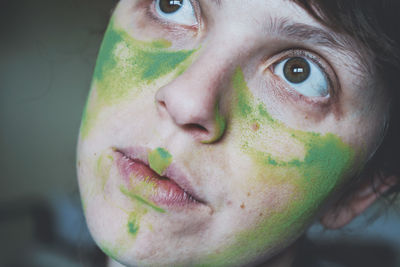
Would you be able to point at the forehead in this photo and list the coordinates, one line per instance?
(259, 9)
(287, 21)
(273, 18)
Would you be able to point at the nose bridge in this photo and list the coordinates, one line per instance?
(206, 76)
(218, 60)
(218, 57)
(193, 97)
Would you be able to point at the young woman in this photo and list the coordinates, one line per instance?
(217, 131)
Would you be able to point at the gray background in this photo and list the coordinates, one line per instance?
(48, 50)
(47, 54)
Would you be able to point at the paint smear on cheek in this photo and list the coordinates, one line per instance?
(258, 132)
(316, 158)
(313, 168)
(125, 66)
(312, 180)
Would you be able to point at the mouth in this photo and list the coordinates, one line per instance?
(169, 189)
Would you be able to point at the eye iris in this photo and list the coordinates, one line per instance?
(170, 6)
(296, 70)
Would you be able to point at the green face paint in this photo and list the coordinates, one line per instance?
(125, 66)
(140, 199)
(141, 206)
(220, 125)
(103, 167)
(243, 95)
(133, 224)
(314, 176)
(133, 227)
(159, 160)
(326, 157)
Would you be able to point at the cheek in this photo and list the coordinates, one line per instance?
(284, 155)
(126, 66)
(300, 169)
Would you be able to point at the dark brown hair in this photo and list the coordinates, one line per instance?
(374, 25)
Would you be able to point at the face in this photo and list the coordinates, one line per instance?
(215, 132)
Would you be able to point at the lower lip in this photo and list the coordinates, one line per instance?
(165, 192)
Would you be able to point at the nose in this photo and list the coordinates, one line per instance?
(194, 100)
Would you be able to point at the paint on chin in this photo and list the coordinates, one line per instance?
(314, 174)
(125, 66)
(135, 193)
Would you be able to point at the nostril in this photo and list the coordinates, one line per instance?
(195, 128)
(162, 104)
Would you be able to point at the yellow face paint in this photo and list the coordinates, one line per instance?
(159, 160)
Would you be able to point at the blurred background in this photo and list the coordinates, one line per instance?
(47, 54)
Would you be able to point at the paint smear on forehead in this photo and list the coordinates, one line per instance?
(314, 166)
(125, 66)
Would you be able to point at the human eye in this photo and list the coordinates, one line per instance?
(176, 11)
(303, 74)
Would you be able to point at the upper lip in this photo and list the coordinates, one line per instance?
(173, 171)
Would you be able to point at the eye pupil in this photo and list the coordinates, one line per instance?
(296, 70)
(170, 6)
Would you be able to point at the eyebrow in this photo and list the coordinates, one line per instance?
(306, 33)
(301, 32)
(285, 28)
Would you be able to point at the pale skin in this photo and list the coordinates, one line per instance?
(201, 90)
